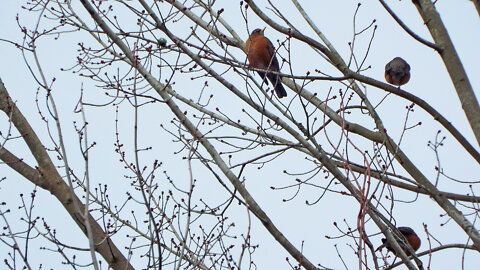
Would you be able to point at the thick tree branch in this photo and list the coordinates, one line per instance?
(53, 182)
(407, 29)
(452, 61)
(424, 105)
(433, 250)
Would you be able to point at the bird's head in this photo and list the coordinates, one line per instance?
(406, 231)
(258, 31)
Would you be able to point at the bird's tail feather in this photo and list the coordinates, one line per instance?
(277, 85)
(262, 75)
(380, 247)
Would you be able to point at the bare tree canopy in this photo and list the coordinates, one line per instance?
(228, 134)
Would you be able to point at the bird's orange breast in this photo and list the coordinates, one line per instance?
(414, 241)
(257, 52)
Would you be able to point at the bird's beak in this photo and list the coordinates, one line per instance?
(263, 30)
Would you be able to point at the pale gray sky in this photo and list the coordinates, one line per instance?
(299, 223)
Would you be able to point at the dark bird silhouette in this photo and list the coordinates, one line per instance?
(261, 54)
(411, 237)
(397, 71)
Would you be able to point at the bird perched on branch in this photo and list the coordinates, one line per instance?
(397, 71)
(261, 55)
(411, 237)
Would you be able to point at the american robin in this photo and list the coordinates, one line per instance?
(411, 237)
(261, 54)
(397, 71)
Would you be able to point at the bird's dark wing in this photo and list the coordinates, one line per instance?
(274, 62)
(274, 66)
(406, 231)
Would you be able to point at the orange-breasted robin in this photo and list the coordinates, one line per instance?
(411, 237)
(397, 71)
(261, 55)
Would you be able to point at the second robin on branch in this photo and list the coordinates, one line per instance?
(411, 237)
(397, 71)
(261, 55)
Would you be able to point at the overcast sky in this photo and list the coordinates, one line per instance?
(311, 224)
